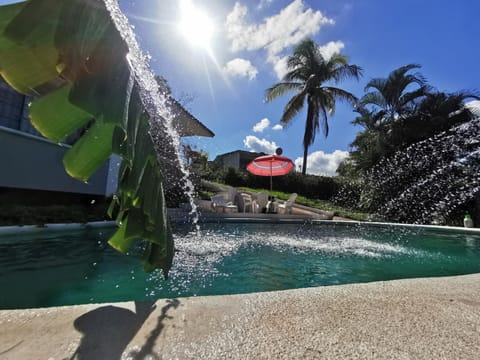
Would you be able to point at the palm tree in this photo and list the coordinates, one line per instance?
(385, 112)
(308, 72)
(390, 95)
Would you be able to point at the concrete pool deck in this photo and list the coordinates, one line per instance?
(429, 318)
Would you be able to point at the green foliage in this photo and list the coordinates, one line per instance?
(395, 116)
(236, 178)
(347, 169)
(390, 95)
(71, 56)
(407, 143)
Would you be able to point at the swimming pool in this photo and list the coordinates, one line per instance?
(51, 268)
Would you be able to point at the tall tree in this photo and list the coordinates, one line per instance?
(309, 72)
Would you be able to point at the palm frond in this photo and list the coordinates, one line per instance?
(280, 89)
(412, 96)
(378, 84)
(368, 119)
(401, 71)
(373, 98)
(342, 95)
(306, 48)
(296, 74)
(466, 94)
(293, 107)
(346, 72)
(323, 116)
(312, 123)
(295, 61)
(337, 60)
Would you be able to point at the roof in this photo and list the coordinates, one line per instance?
(186, 124)
(243, 153)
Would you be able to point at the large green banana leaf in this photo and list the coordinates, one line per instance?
(72, 58)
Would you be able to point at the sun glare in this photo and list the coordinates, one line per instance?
(195, 24)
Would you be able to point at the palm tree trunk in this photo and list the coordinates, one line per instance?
(304, 167)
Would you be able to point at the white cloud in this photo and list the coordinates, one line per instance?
(259, 145)
(277, 127)
(333, 47)
(320, 163)
(261, 125)
(276, 33)
(279, 65)
(241, 67)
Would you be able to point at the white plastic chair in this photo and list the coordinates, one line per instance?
(286, 207)
(231, 194)
(260, 201)
(220, 204)
(244, 202)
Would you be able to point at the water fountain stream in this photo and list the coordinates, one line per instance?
(155, 102)
(430, 180)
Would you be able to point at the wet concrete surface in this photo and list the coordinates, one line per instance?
(432, 318)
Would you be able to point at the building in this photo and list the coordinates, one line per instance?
(31, 162)
(237, 159)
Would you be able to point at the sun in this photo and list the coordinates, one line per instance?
(195, 25)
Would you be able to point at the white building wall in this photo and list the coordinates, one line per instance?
(31, 162)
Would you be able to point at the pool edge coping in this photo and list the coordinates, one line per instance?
(22, 229)
(285, 219)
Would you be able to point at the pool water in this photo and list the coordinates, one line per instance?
(76, 267)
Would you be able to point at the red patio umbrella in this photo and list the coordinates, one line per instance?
(270, 165)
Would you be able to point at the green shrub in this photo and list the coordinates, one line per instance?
(339, 190)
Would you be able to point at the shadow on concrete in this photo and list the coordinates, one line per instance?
(109, 329)
(147, 349)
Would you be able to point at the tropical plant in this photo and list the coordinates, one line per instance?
(400, 110)
(389, 96)
(309, 72)
(411, 141)
(434, 113)
(70, 55)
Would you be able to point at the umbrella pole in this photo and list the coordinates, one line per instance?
(271, 177)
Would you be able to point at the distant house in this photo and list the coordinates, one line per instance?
(29, 161)
(237, 159)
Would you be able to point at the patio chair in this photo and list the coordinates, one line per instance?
(244, 202)
(286, 207)
(219, 204)
(231, 194)
(260, 201)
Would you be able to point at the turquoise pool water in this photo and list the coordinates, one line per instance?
(75, 267)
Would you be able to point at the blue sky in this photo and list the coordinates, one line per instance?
(244, 56)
